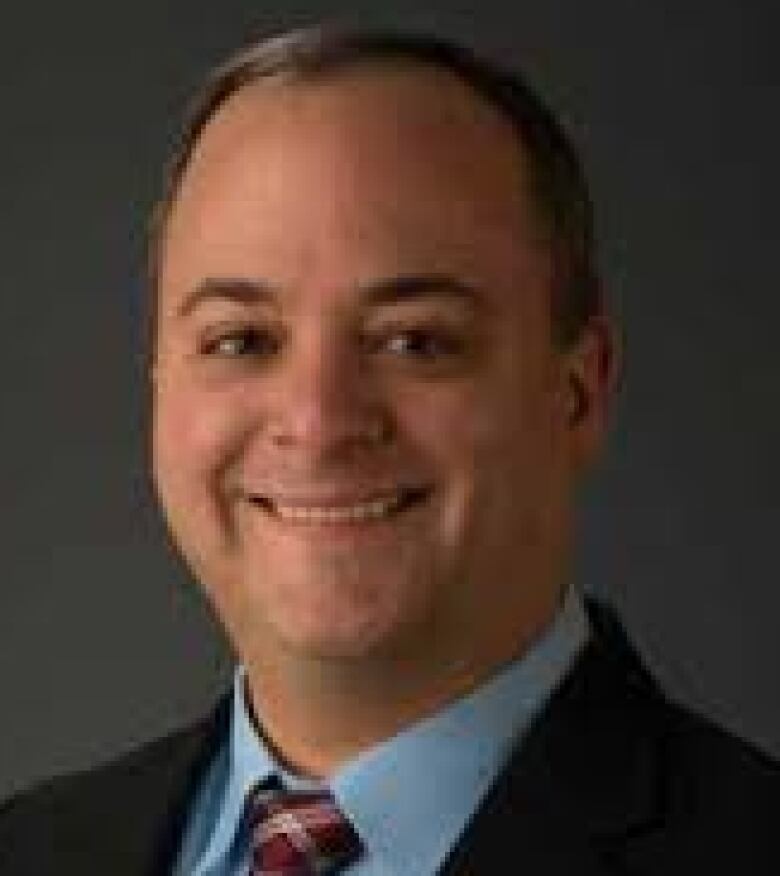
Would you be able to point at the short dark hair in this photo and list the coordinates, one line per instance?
(558, 182)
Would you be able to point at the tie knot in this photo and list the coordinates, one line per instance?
(299, 833)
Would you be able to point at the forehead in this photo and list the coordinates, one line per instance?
(372, 164)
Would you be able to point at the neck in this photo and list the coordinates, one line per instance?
(320, 712)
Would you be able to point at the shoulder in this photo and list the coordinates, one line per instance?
(672, 785)
(717, 801)
(128, 810)
(614, 777)
(715, 777)
(690, 738)
(691, 743)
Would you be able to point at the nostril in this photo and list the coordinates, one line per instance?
(262, 502)
(414, 495)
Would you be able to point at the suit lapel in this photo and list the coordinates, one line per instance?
(584, 784)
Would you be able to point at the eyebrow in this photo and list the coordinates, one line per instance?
(390, 290)
(238, 289)
(412, 287)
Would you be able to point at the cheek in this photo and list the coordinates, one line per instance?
(455, 432)
(482, 427)
(196, 433)
(496, 448)
(444, 426)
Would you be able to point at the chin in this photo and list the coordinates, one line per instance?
(337, 621)
(341, 638)
(330, 646)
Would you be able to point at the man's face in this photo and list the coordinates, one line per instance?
(362, 438)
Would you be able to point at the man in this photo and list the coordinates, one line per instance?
(381, 364)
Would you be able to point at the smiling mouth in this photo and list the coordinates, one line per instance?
(376, 508)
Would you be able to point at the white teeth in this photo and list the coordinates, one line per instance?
(365, 511)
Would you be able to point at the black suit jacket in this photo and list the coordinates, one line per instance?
(613, 779)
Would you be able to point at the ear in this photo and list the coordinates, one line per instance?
(593, 368)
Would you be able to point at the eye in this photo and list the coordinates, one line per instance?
(425, 343)
(244, 341)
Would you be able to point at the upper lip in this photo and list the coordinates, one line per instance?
(336, 499)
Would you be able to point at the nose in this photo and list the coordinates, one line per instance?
(326, 403)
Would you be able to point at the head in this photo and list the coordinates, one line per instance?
(380, 362)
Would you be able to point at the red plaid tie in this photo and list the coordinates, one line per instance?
(299, 834)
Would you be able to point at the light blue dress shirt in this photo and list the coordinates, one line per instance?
(411, 796)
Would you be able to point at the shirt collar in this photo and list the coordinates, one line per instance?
(410, 797)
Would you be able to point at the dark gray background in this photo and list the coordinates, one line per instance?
(105, 642)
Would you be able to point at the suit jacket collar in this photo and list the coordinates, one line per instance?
(587, 780)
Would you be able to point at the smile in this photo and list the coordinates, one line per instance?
(378, 508)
